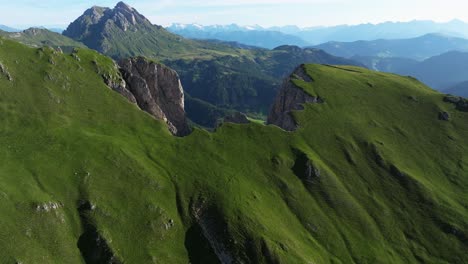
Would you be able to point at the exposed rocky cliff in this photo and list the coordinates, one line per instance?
(291, 98)
(156, 89)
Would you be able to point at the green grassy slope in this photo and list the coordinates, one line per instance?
(389, 186)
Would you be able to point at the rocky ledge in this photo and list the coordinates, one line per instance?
(291, 98)
(156, 89)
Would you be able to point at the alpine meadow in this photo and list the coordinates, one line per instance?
(124, 142)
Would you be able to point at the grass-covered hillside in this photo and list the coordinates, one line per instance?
(371, 176)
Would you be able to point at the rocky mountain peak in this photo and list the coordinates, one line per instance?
(95, 13)
(97, 21)
(124, 6)
(126, 16)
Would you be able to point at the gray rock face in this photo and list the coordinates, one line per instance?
(97, 22)
(444, 116)
(291, 98)
(460, 102)
(156, 89)
(4, 71)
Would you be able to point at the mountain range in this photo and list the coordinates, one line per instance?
(101, 164)
(340, 33)
(220, 74)
(254, 36)
(419, 48)
(122, 32)
(8, 29)
(371, 170)
(440, 72)
(437, 60)
(460, 89)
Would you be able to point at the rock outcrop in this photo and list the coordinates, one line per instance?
(460, 103)
(4, 71)
(156, 89)
(291, 98)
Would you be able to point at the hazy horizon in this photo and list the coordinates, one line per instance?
(58, 14)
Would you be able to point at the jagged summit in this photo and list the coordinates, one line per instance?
(122, 5)
(98, 24)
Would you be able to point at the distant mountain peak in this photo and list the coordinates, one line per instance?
(104, 19)
(122, 5)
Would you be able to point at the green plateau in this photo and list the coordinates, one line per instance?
(372, 175)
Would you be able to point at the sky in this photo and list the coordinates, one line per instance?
(303, 13)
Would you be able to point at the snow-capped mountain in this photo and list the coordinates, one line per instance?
(253, 35)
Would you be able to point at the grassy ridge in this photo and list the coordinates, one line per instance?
(38, 37)
(389, 177)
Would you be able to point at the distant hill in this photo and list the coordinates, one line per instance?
(8, 29)
(56, 30)
(460, 89)
(341, 33)
(439, 72)
(387, 30)
(415, 48)
(253, 36)
(37, 37)
(386, 64)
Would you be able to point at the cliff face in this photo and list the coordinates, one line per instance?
(290, 98)
(156, 89)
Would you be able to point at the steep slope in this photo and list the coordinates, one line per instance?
(371, 175)
(157, 90)
(222, 75)
(419, 48)
(38, 37)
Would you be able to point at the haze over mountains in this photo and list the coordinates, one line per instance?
(341, 33)
(391, 47)
(419, 48)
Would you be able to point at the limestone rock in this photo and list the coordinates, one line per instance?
(4, 71)
(157, 90)
(291, 98)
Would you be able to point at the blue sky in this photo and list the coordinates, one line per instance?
(22, 13)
